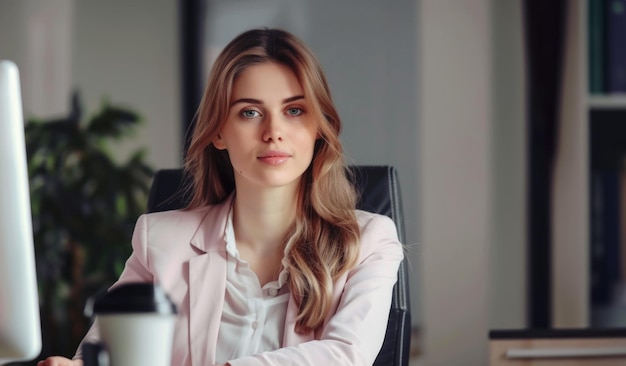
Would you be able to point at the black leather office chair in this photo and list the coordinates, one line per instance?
(379, 192)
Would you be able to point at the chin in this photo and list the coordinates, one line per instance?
(280, 179)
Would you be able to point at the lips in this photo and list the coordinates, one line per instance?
(274, 157)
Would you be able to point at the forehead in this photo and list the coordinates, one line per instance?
(267, 80)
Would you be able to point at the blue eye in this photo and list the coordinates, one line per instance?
(250, 113)
(294, 111)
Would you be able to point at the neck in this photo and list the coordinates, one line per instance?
(262, 218)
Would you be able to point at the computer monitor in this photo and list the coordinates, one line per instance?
(20, 327)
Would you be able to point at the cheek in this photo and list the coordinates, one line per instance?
(309, 142)
(231, 138)
(314, 135)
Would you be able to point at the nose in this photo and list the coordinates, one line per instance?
(273, 129)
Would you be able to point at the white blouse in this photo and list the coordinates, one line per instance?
(253, 317)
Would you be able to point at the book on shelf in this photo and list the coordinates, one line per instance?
(608, 235)
(615, 81)
(607, 132)
(618, 295)
(606, 32)
(595, 29)
(605, 235)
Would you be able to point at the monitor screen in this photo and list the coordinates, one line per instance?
(20, 327)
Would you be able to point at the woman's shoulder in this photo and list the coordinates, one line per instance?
(176, 217)
(180, 213)
(185, 218)
(370, 220)
(378, 234)
(202, 226)
(377, 226)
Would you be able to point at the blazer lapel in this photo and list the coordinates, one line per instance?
(207, 282)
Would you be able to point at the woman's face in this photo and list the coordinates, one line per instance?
(269, 133)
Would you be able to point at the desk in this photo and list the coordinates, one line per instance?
(558, 347)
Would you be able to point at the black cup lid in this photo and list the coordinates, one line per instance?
(131, 298)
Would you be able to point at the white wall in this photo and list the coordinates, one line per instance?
(471, 140)
(123, 51)
(36, 36)
(509, 242)
(455, 185)
(128, 52)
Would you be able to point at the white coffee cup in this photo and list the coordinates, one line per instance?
(136, 324)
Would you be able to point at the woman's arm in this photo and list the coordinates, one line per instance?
(59, 361)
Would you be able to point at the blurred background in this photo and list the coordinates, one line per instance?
(440, 89)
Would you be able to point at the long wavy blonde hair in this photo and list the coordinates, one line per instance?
(325, 233)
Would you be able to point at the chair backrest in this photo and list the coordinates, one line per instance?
(380, 193)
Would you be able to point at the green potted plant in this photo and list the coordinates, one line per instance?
(84, 206)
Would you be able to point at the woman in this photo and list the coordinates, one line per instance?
(270, 264)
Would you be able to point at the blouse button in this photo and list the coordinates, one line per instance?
(273, 291)
(255, 325)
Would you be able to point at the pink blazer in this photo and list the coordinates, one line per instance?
(185, 253)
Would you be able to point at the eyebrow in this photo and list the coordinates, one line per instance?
(257, 101)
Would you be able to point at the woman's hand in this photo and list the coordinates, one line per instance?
(59, 361)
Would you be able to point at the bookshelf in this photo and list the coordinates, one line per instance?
(607, 126)
(606, 101)
(588, 122)
(606, 119)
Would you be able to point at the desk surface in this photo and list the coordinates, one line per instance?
(496, 334)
